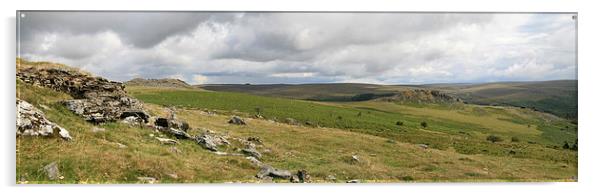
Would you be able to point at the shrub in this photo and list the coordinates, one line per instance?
(566, 145)
(399, 123)
(494, 138)
(424, 124)
(515, 139)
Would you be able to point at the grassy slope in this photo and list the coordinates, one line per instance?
(95, 157)
(462, 128)
(557, 97)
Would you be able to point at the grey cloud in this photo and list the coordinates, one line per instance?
(142, 29)
(256, 47)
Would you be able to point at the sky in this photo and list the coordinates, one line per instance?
(281, 47)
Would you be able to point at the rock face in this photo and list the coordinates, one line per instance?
(96, 99)
(32, 122)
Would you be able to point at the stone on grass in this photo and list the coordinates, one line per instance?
(236, 120)
(52, 171)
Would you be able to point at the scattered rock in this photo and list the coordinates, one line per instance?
(237, 121)
(211, 140)
(255, 139)
(251, 152)
(173, 175)
(353, 181)
(96, 99)
(423, 146)
(254, 161)
(150, 180)
(300, 177)
(207, 142)
(166, 141)
(291, 121)
(98, 129)
(32, 122)
(165, 123)
(52, 171)
(331, 178)
(174, 149)
(120, 145)
(269, 171)
(355, 159)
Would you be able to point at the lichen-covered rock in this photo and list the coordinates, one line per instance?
(249, 151)
(52, 171)
(96, 99)
(237, 121)
(211, 141)
(32, 122)
(269, 171)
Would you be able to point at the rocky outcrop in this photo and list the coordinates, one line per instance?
(96, 99)
(168, 83)
(421, 96)
(32, 122)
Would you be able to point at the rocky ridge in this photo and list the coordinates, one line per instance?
(421, 96)
(169, 83)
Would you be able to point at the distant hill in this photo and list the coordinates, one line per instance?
(168, 83)
(558, 97)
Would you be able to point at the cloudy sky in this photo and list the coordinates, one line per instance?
(383, 48)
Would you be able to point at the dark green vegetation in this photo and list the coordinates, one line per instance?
(556, 97)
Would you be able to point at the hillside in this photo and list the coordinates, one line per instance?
(556, 97)
(366, 141)
(170, 83)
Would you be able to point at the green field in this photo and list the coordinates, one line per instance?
(460, 127)
(558, 97)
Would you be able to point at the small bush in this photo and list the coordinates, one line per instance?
(424, 124)
(566, 145)
(515, 139)
(494, 138)
(399, 123)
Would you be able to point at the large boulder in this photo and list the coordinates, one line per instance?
(32, 122)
